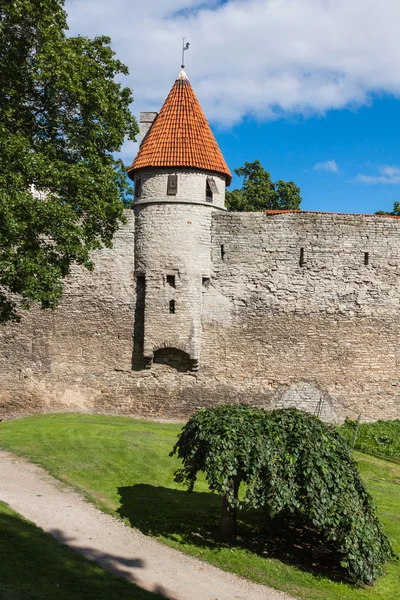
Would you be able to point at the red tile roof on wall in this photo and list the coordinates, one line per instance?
(181, 136)
(318, 212)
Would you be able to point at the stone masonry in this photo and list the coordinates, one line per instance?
(322, 336)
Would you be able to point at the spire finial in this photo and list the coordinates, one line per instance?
(184, 48)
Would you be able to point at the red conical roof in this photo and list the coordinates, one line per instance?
(181, 136)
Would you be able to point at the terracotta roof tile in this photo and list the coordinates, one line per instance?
(318, 212)
(181, 136)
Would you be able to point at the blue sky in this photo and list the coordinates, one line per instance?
(360, 142)
(311, 88)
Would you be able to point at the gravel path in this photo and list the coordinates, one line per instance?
(64, 514)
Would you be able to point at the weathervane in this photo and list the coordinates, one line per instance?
(184, 48)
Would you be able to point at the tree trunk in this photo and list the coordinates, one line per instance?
(228, 522)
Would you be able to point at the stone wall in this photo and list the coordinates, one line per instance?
(65, 360)
(323, 335)
(301, 309)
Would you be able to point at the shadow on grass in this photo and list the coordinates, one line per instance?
(119, 565)
(33, 565)
(193, 519)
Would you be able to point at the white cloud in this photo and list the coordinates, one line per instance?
(388, 174)
(329, 165)
(264, 58)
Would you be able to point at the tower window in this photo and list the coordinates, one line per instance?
(213, 185)
(211, 189)
(172, 185)
(366, 258)
(171, 280)
(138, 187)
(209, 194)
(172, 307)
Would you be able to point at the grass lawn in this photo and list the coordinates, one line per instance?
(123, 466)
(33, 565)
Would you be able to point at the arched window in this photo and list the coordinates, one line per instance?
(211, 189)
(174, 358)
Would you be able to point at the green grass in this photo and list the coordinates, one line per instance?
(34, 566)
(123, 466)
(381, 438)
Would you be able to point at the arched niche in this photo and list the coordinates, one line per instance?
(173, 358)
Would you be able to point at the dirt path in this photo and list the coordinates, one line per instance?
(64, 514)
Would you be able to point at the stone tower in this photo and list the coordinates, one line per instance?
(180, 177)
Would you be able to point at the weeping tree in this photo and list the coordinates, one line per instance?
(286, 461)
(227, 444)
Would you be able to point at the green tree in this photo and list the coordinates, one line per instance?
(259, 192)
(394, 213)
(63, 115)
(226, 443)
(289, 462)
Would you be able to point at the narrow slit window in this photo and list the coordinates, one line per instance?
(222, 252)
(209, 194)
(138, 187)
(366, 258)
(172, 185)
(301, 261)
(206, 281)
(172, 307)
(171, 280)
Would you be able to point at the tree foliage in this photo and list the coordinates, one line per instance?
(379, 438)
(62, 116)
(394, 213)
(259, 192)
(288, 461)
